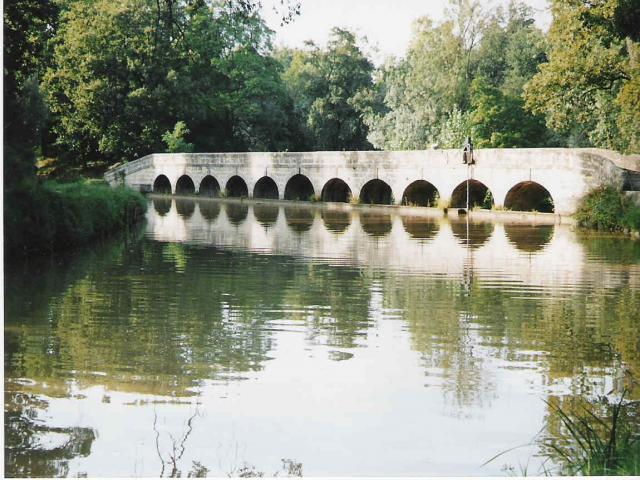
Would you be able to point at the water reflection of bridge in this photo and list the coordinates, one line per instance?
(545, 255)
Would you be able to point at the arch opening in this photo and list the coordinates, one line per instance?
(209, 187)
(336, 190)
(479, 195)
(162, 185)
(185, 186)
(265, 188)
(237, 187)
(376, 191)
(299, 187)
(421, 193)
(528, 197)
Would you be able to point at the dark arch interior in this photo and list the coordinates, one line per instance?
(335, 221)
(209, 210)
(265, 188)
(479, 195)
(376, 191)
(529, 238)
(420, 193)
(162, 185)
(209, 187)
(266, 215)
(237, 187)
(236, 212)
(298, 187)
(298, 219)
(336, 190)
(376, 224)
(185, 186)
(472, 234)
(420, 228)
(529, 196)
(185, 208)
(162, 205)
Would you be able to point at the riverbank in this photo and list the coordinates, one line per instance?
(51, 216)
(607, 209)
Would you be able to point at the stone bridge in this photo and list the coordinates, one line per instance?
(544, 180)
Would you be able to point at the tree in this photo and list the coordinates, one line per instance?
(329, 88)
(591, 79)
(126, 72)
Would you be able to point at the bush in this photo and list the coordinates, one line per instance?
(608, 209)
(54, 216)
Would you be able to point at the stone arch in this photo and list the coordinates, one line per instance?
(266, 188)
(209, 187)
(479, 195)
(185, 186)
(237, 187)
(299, 187)
(336, 190)
(376, 191)
(529, 196)
(162, 185)
(420, 193)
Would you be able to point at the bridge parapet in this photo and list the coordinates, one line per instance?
(512, 176)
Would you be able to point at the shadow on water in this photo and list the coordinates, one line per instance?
(299, 219)
(336, 221)
(376, 224)
(162, 206)
(209, 210)
(475, 236)
(529, 238)
(32, 449)
(185, 208)
(420, 228)
(266, 215)
(236, 212)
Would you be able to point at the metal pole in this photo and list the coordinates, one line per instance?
(468, 167)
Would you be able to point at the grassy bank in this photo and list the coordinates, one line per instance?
(607, 209)
(51, 216)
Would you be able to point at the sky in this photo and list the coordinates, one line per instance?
(385, 23)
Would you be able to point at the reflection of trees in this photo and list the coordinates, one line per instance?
(334, 304)
(576, 339)
(36, 450)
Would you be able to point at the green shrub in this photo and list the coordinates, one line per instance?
(608, 209)
(54, 216)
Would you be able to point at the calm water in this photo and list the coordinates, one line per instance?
(354, 342)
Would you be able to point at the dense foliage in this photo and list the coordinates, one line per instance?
(608, 209)
(50, 217)
(99, 82)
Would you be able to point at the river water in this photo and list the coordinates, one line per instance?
(227, 336)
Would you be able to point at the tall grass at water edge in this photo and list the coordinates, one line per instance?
(608, 209)
(51, 216)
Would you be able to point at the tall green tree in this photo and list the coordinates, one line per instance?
(592, 79)
(331, 90)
